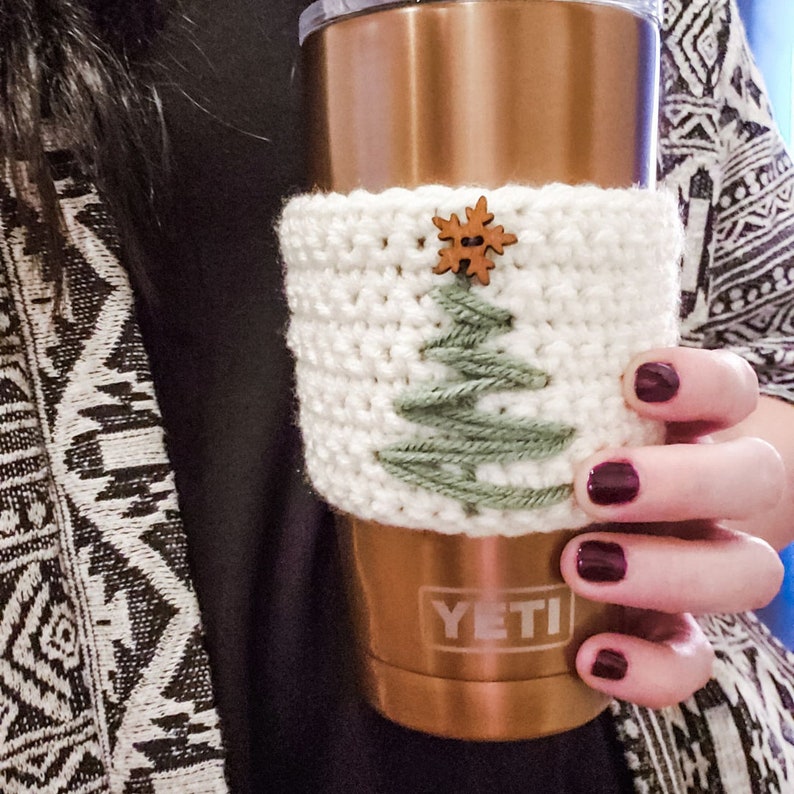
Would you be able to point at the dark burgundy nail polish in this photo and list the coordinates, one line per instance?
(610, 664)
(614, 482)
(656, 382)
(597, 561)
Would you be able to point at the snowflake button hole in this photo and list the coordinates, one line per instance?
(470, 242)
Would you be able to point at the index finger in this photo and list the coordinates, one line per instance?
(713, 388)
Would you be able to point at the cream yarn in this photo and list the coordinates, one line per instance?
(591, 281)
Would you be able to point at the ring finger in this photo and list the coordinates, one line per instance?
(723, 571)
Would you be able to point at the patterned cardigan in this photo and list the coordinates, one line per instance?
(104, 683)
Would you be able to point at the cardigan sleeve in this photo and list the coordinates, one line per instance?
(748, 293)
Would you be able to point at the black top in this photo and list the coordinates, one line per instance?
(261, 546)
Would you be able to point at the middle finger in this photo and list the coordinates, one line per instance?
(731, 480)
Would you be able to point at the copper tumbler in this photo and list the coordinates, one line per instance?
(464, 636)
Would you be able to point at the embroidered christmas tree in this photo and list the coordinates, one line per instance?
(465, 436)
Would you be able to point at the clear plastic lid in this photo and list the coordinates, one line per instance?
(324, 12)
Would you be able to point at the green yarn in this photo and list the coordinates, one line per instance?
(466, 436)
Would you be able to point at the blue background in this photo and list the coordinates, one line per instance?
(770, 29)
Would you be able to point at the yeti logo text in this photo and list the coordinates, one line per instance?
(518, 620)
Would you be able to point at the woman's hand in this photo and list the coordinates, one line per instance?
(672, 548)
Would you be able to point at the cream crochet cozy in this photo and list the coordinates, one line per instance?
(591, 281)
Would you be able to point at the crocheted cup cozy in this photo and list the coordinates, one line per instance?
(430, 401)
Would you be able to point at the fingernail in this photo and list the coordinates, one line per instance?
(614, 482)
(610, 664)
(656, 382)
(597, 561)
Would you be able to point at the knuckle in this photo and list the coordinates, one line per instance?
(689, 670)
(707, 657)
(759, 574)
(769, 576)
(738, 370)
(770, 472)
(737, 379)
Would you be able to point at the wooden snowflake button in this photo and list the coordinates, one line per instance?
(470, 242)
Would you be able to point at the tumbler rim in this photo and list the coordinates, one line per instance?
(322, 13)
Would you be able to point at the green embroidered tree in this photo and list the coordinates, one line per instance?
(467, 436)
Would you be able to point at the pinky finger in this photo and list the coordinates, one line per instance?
(654, 673)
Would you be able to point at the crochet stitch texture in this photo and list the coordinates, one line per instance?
(591, 281)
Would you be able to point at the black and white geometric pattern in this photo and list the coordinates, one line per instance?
(721, 153)
(104, 683)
